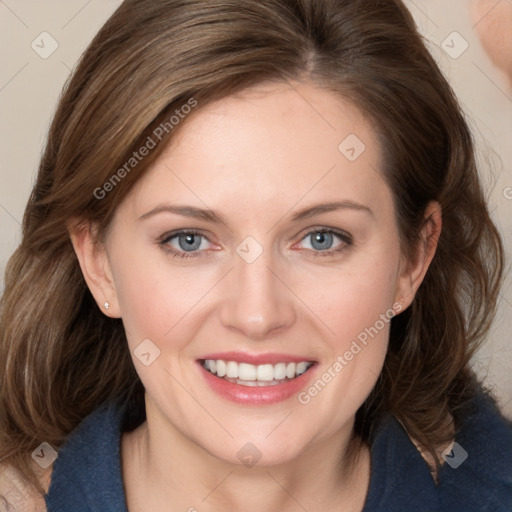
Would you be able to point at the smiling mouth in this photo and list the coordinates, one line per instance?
(252, 375)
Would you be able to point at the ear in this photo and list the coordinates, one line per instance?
(95, 265)
(412, 272)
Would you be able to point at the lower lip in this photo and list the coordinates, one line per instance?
(263, 395)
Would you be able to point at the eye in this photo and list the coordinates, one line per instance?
(321, 241)
(189, 244)
(184, 244)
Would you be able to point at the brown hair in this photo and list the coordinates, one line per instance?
(150, 58)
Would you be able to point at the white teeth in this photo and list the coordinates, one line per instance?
(280, 371)
(254, 383)
(301, 368)
(221, 367)
(265, 372)
(250, 383)
(232, 370)
(290, 370)
(255, 375)
(246, 371)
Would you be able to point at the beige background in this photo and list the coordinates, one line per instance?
(30, 87)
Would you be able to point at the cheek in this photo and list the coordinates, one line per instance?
(352, 299)
(357, 308)
(155, 296)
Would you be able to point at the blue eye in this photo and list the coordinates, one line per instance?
(188, 242)
(321, 241)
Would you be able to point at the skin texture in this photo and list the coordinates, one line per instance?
(493, 23)
(256, 158)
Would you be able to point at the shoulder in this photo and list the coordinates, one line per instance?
(93, 440)
(87, 470)
(18, 495)
(476, 474)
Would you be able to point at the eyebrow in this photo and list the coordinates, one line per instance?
(214, 217)
(331, 207)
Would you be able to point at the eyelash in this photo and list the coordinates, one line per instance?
(345, 238)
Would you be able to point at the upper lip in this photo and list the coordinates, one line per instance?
(257, 359)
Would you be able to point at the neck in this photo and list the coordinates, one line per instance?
(166, 467)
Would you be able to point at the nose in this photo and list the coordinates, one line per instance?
(258, 303)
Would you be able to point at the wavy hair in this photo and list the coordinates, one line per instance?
(57, 349)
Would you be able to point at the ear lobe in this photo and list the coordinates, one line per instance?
(95, 266)
(413, 272)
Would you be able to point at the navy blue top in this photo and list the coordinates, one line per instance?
(87, 474)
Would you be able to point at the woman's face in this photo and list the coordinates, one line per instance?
(271, 276)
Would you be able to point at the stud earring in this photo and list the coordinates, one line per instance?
(107, 305)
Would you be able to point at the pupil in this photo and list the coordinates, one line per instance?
(324, 240)
(189, 242)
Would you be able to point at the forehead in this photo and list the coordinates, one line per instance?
(267, 148)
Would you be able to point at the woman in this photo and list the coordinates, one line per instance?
(255, 265)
